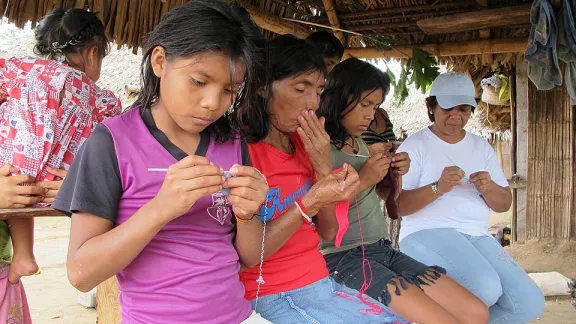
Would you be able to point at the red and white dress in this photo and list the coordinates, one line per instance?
(47, 111)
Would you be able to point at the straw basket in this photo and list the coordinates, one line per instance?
(490, 95)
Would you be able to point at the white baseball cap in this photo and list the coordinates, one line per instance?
(452, 89)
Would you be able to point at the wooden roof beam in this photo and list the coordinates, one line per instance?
(388, 11)
(477, 20)
(274, 23)
(330, 9)
(507, 45)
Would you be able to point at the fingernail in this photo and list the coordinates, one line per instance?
(45, 189)
(234, 169)
(221, 171)
(299, 129)
(300, 118)
(223, 180)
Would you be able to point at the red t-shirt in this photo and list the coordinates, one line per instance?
(299, 262)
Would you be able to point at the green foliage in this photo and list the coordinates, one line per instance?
(421, 70)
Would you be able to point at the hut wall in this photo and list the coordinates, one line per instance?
(550, 196)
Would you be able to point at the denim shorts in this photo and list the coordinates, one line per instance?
(323, 302)
(389, 267)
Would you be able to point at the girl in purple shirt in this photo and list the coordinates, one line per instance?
(146, 190)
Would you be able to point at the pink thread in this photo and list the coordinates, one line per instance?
(373, 307)
(341, 211)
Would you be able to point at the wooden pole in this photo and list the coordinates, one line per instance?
(477, 20)
(513, 151)
(487, 58)
(274, 23)
(521, 147)
(330, 10)
(107, 304)
(510, 45)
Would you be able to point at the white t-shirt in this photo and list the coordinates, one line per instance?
(462, 208)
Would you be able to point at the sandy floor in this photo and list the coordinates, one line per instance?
(53, 301)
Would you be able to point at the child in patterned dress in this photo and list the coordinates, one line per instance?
(48, 107)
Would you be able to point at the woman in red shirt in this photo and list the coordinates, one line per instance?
(289, 146)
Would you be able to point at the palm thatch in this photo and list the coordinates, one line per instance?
(373, 22)
(362, 25)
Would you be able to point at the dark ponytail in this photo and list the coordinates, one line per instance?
(65, 31)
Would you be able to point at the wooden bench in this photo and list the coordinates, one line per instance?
(29, 213)
(107, 305)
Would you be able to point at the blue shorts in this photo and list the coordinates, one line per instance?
(323, 302)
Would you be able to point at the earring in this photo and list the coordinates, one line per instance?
(431, 112)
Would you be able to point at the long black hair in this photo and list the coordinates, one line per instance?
(65, 31)
(203, 26)
(288, 56)
(344, 88)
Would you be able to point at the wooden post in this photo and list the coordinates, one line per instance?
(513, 104)
(498, 145)
(107, 304)
(488, 58)
(521, 146)
(330, 9)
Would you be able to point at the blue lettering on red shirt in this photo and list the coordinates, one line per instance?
(276, 205)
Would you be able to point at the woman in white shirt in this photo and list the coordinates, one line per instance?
(453, 182)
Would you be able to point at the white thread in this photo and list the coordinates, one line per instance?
(260, 279)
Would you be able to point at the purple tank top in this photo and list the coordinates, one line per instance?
(189, 272)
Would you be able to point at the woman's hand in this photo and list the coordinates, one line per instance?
(451, 177)
(374, 169)
(316, 142)
(186, 181)
(248, 190)
(332, 189)
(400, 163)
(482, 181)
(52, 187)
(13, 192)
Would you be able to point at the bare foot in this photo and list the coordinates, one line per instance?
(21, 266)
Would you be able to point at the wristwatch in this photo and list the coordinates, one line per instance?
(434, 186)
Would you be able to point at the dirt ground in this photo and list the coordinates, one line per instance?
(53, 300)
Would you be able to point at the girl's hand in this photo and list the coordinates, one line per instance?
(400, 163)
(316, 142)
(332, 189)
(248, 190)
(52, 187)
(186, 181)
(374, 169)
(12, 192)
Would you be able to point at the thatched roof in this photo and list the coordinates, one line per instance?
(369, 25)
(471, 36)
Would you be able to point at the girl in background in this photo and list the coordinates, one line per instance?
(48, 107)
